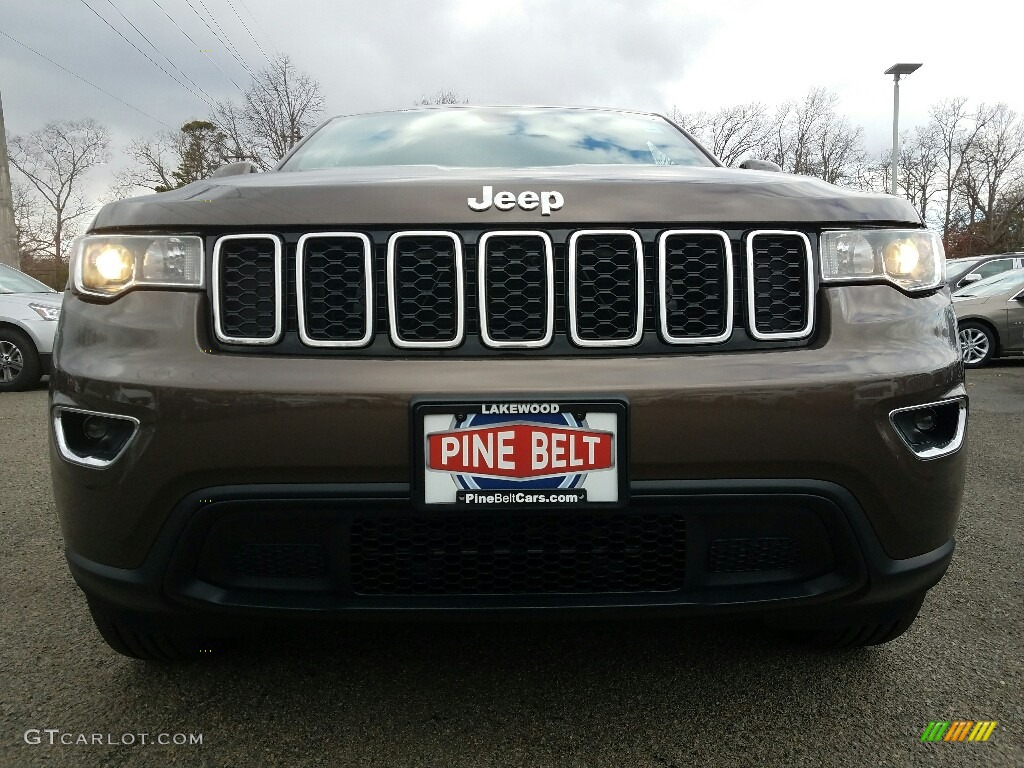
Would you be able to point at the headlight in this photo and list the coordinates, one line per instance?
(108, 265)
(45, 311)
(911, 259)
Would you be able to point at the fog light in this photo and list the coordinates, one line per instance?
(934, 429)
(92, 439)
(94, 428)
(925, 419)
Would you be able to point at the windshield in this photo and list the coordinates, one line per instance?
(990, 286)
(493, 137)
(955, 266)
(13, 281)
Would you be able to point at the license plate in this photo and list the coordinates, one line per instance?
(523, 453)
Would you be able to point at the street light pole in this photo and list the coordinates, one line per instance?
(896, 70)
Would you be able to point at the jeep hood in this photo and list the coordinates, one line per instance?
(431, 196)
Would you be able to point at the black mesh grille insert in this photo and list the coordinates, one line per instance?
(781, 292)
(334, 278)
(606, 287)
(518, 553)
(696, 286)
(426, 292)
(516, 287)
(741, 555)
(247, 297)
(280, 561)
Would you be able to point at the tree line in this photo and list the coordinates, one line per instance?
(963, 170)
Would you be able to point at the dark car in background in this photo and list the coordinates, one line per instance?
(990, 316)
(963, 272)
(506, 361)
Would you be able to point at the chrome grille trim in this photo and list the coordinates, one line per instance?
(300, 290)
(667, 337)
(460, 289)
(808, 287)
(549, 269)
(640, 279)
(217, 279)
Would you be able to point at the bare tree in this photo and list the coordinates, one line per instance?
(277, 110)
(921, 167)
(731, 133)
(154, 163)
(443, 96)
(173, 159)
(955, 129)
(993, 177)
(55, 160)
(34, 241)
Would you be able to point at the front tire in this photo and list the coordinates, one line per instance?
(977, 344)
(20, 367)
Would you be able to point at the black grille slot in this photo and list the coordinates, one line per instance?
(247, 273)
(607, 281)
(334, 282)
(280, 561)
(507, 554)
(696, 286)
(744, 555)
(779, 279)
(516, 287)
(426, 288)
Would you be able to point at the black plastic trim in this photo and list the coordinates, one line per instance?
(863, 575)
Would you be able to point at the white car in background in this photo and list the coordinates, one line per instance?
(29, 311)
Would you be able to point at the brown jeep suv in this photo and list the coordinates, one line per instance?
(517, 361)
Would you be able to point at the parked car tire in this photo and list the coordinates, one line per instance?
(977, 343)
(20, 368)
(876, 625)
(139, 637)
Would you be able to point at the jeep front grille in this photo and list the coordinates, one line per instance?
(425, 289)
(247, 289)
(606, 288)
(335, 289)
(470, 292)
(695, 286)
(517, 291)
(779, 276)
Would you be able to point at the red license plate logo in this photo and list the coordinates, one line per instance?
(523, 451)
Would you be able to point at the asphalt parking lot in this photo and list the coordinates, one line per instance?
(589, 694)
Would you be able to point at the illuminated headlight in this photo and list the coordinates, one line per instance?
(108, 265)
(911, 259)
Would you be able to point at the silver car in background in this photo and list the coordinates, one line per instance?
(29, 311)
(990, 316)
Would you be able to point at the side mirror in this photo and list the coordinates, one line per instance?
(760, 165)
(234, 169)
(971, 278)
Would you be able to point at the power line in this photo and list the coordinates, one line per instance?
(246, 28)
(187, 35)
(133, 45)
(258, 25)
(87, 82)
(223, 37)
(175, 66)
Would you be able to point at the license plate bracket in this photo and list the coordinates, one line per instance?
(520, 452)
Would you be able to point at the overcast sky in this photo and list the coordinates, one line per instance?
(383, 54)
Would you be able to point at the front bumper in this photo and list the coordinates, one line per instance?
(817, 414)
(720, 550)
